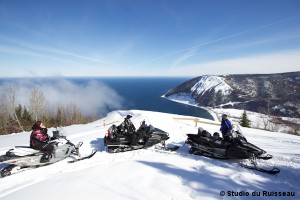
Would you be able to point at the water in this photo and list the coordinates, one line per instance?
(145, 94)
(141, 94)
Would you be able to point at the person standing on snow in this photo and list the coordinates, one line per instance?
(226, 127)
(39, 140)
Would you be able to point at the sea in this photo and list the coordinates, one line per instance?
(142, 93)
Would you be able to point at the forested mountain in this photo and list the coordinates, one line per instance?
(278, 94)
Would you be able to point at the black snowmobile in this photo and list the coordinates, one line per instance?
(235, 147)
(23, 157)
(146, 136)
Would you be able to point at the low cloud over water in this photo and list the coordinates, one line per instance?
(90, 96)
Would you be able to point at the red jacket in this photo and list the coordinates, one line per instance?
(38, 136)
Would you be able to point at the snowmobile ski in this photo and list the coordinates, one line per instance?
(85, 157)
(274, 170)
(174, 148)
(265, 157)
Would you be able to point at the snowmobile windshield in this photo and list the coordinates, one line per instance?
(236, 128)
(60, 133)
(151, 128)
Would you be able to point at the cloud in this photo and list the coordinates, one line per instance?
(26, 52)
(190, 51)
(91, 96)
(188, 54)
(285, 61)
(26, 48)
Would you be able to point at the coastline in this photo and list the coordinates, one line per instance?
(187, 102)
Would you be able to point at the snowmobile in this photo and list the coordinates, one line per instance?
(23, 157)
(147, 136)
(235, 147)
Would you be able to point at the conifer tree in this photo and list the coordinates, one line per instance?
(26, 118)
(244, 122)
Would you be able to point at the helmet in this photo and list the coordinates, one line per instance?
(224, 116)
(216, 135)
(128, 117)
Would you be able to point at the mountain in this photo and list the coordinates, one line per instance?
(152, 174)
(275, 94)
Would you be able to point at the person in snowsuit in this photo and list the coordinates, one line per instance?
(39, 140)
(141, 133)
(128, 129)
(226, 128)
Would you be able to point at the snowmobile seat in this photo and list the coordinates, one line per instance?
(27, 149)
(20, 151)
(204, 133)
(203, 140)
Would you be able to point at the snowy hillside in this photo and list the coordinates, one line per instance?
(205, 85)
(211, 82)
(153, 174)
(253, 92)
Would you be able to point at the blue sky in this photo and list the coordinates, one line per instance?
(148, 37)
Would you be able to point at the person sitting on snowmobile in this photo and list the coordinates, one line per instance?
(226, 128)
(141, 133)
(39, 140)
(128, 129)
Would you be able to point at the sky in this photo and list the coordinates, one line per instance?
(148, 38)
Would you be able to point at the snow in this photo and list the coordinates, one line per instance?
(153, 174)
(211, 82)
(258, 120)
(184, 98)
(205, 84)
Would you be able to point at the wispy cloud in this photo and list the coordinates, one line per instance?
(18, 46)
(125, 47)
(28, 52)
(186, 55)
(268, 63)
(201, 44)
(262, 41)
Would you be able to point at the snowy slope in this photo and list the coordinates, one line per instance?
(153, 174)
(206, 84)
(257, 120)
(211, 82)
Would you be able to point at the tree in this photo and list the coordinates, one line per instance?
(244, 122)
(26, 118)
(37, 103)
(11, 96)
(59, 119)
(4, 114)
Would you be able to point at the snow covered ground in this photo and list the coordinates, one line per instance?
(257, 120)
(154, 174)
